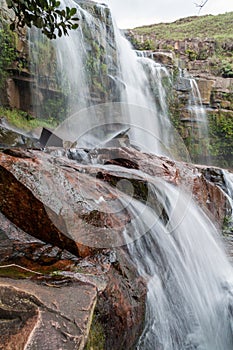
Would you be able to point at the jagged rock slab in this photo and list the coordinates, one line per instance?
(45, 316)
(78, 206)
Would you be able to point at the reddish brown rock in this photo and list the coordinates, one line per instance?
(77, 206)
(122, 305)
(45, 316)
(49, 203)
(54, 202)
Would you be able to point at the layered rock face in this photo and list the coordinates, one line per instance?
(63, 254)
(36, 83)
(198, 57)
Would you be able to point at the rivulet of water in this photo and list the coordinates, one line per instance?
(190, 281)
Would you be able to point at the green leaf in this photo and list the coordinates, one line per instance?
(73, 11)
(59, 32)
(44, 14)
(75, 26)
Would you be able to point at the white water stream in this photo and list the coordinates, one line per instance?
(190, 290)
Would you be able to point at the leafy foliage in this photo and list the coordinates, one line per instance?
(227, 69)
(7, 52)
(44, 14)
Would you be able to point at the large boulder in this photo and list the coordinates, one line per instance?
(62, 245)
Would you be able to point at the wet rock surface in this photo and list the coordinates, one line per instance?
(62, 248)
(46, 316)
(13, 138)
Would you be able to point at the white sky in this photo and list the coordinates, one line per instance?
(132, 13)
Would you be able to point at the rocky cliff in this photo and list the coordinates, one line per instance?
(32, 79)
(184, 46)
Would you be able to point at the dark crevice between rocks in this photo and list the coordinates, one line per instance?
(215, 175)
(125, 163)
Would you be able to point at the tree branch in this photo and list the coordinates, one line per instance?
(44, 14)
(201, 5)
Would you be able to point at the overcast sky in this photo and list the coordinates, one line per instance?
(132, 13)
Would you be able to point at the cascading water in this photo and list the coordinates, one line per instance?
(160, 81)
(96, 64)
(189, 302)
(200, 117)
(190, 281)
(81, 66)
(229, 183)
(138, 92)
(199, 135)
(228, 177)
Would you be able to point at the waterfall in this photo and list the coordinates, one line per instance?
(228, 177)
(190, 281)
(95, 64)
(160, 82)
(200, 118)
(141, 75)
(229, 182)
(106, 90)
(199, 135)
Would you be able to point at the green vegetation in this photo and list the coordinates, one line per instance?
(7, 52)
(207, 38)
(96, 337)
(96, 67)
(216, 27)
(227, 225)
(221, 137)
(146, 45)
(16, 271)
(227, 69)
(23, 121)
(219, 145)
(44, 14)
(42, 56)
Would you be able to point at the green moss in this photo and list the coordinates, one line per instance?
(43, 56)
(227, 225)
(221, 137)
(97, 69)
(192, 55)
(96, 337)
(15, 272)
(227, 69)
(24, 121)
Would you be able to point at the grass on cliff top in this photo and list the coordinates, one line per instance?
(23, 121)
(218, 27)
